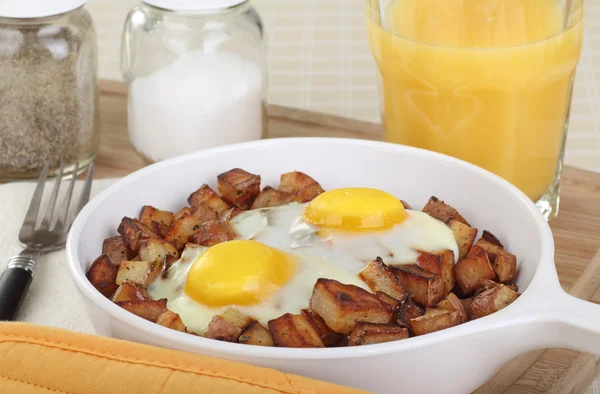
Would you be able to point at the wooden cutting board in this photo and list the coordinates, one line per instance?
(576, 230)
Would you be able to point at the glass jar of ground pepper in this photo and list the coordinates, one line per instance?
(48, 87)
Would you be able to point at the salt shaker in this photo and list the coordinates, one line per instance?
(49, 100)
(197, 75)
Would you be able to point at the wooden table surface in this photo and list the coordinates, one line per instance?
(576, 230)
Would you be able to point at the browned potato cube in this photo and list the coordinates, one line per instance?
(369, 333)
(327, 335)
(492, 300)
(204, 213)
(505, 267)
(171, 320)
(134, 232)
(470, 273)
(442, 211)
(229, 214)
(207, 197)
(293, 182)
(485, 246)
(143, 273)
(308, 193)
(117, 250)
(228, 326)
(146, 309)
(130, 291)
(426, 287)
(466, 303)
(441, 263)
(464, 235)
(183, 211)
(212, 233)
(257, 335)
(154, 249)
(342, 306)
(380, 277)
(434, 320)
(270, 197)
(150, 214)
(452, 303)
(405, 204)
(391, 301)
(103, 275)
(491, 238)
(239, 188)
(408, 310)
(182, 230)
(294, 331)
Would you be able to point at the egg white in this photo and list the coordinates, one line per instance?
(320, 253)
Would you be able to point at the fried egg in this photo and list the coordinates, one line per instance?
(280, 252)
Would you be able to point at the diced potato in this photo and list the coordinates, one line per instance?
(154, 249)
(434, 320)
(182, 230)
(405, 204)
(466, 303)
(130, 291)
(505, 267)
(229, 214)
(464, 235)
(270, 197)
(103, 274)
(408, 310)
(183, 211)
(342, 306)
(228, 326)
(441, 263)
(159, 229)
(239, 188)
(294, 331)
(134, 232)
(452, 303)
(470, 273)
(380, 277)
(492, 300)
(308, 193)
(369, 333)
(150, 214)
(146, 309)
(391, 301)
(327, 335)
(204, 213)
(293, 182)
(143, 273)
(426, 287)
(212, 233)
(257, 335)
(207, 197)
(117, 250)
(171, 320)
(442, 211)
(491, 238)
(503, 262)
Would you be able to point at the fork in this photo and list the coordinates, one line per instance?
(49, 235)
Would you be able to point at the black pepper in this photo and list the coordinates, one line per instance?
(48, 94)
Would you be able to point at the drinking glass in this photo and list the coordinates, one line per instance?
(487, 81)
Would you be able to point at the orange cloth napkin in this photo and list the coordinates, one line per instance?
(37, 359)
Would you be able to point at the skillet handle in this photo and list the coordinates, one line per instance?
(577, 323)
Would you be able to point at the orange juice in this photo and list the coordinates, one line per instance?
(487, 81)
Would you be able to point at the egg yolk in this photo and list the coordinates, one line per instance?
(355, 209)
(238, 272)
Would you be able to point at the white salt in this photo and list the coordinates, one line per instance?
(199, 101)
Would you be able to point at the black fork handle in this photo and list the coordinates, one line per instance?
(14, 283)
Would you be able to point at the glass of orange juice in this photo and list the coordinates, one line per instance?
(487, 81)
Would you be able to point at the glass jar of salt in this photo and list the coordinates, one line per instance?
(48, 85)
(196, 72)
